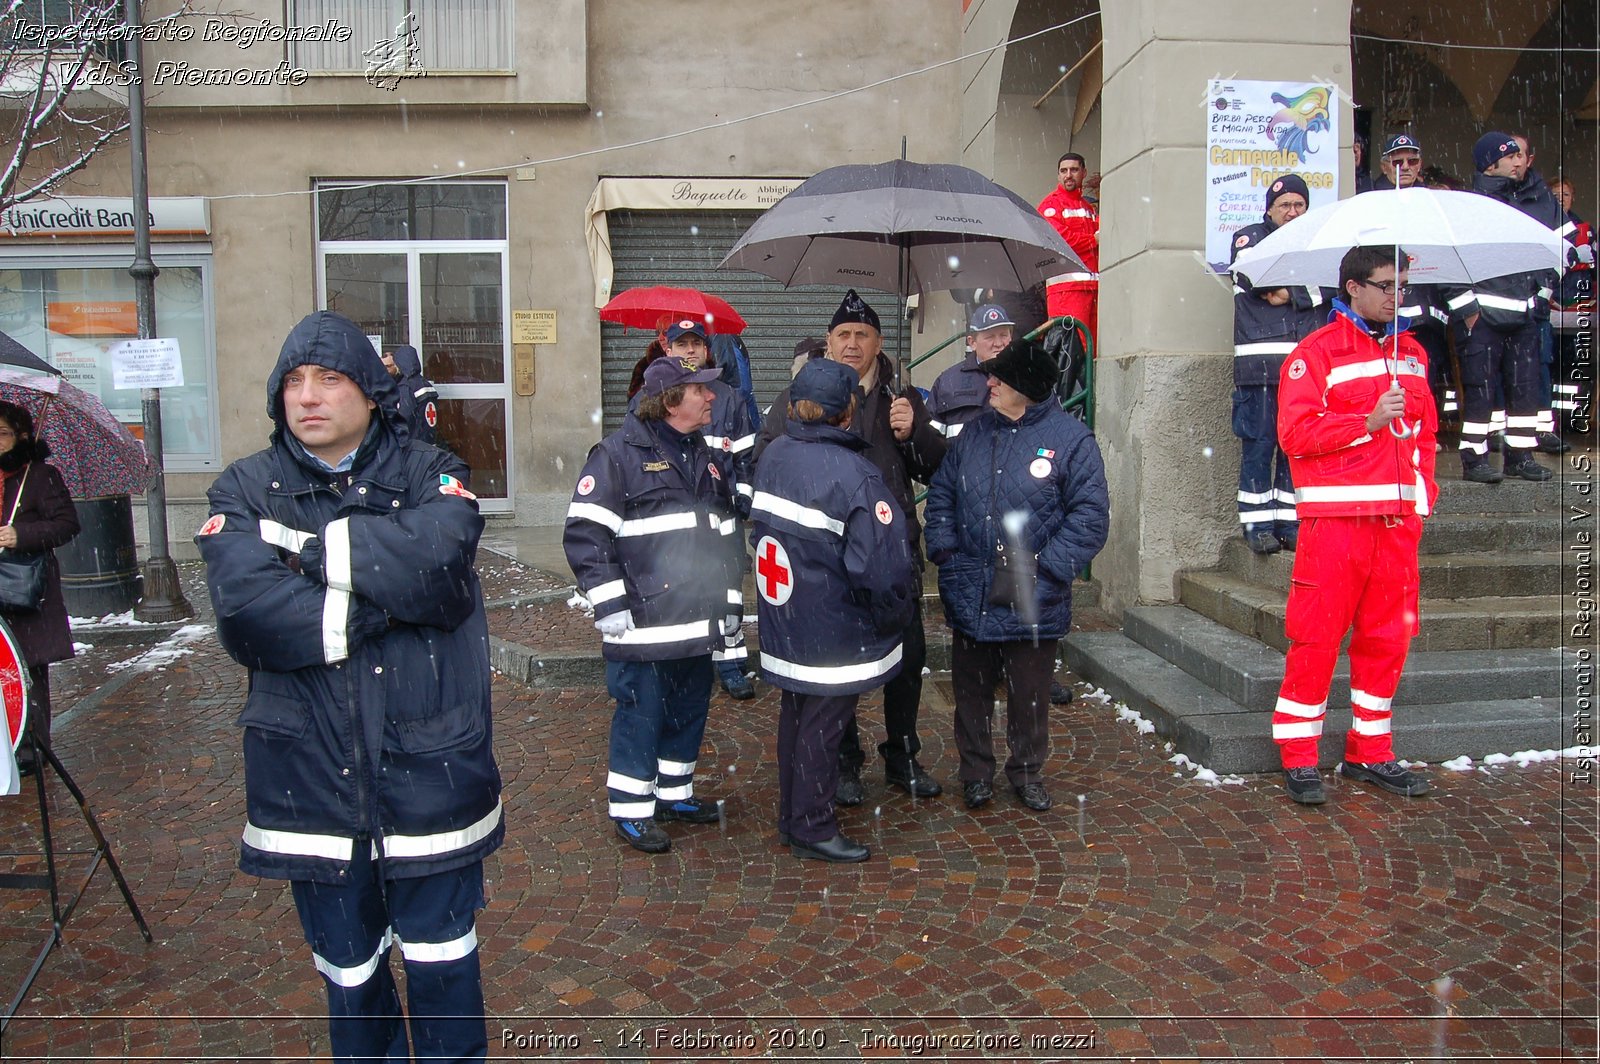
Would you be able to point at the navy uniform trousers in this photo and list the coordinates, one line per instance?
(1266, 491)
(352, 928)
(809, 730)
(901, 698)
(655, 732)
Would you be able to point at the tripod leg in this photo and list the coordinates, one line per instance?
(103, 848)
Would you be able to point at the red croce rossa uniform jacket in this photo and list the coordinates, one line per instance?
(1329, 385)
(1076, 219)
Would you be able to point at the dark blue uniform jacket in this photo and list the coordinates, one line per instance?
(834, 576)
(651, 529)
(352, 600)
(1262, 333)
(1045, 466)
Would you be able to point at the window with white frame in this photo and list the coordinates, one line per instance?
(405, 37)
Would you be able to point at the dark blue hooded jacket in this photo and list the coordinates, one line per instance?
(1045, 466)
(352, 600)
(419, 399)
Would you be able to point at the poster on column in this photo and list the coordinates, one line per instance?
(1257, 131)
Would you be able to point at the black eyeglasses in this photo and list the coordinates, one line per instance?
(1388, 288)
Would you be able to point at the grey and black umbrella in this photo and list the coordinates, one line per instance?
(904, 227)
(12, 353)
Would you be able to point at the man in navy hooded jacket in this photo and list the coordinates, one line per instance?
(340, 562)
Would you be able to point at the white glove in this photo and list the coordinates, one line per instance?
(730, 629)
(613, 625)
(1585, 254)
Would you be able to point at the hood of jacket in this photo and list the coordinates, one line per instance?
(335, 342)
(407, 361)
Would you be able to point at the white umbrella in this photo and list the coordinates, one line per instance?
(1451, 237)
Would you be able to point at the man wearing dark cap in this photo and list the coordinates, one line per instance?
(1015, 513)
(1495, 323)
(1401, 162)
(647, 537)
(1267, 323)
(961, 392)
(835, 587)
(901, 441)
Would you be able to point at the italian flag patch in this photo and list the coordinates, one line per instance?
(449, 485)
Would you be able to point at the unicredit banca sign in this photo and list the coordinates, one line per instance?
(103, 216)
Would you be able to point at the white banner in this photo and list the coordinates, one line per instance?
(104, 216)
(1257, 131)
(146, 364)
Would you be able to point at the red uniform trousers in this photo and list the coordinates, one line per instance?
(1078, 298)
(1347, 570)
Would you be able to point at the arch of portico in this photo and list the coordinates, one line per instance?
(1164, 368)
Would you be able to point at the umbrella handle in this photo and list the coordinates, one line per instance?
(1405, 432)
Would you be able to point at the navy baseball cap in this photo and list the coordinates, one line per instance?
(1401, 142)
(989, 316)
(671, 371)
(827, 383)
(685, 328)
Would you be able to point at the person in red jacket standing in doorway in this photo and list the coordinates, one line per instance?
(1078, 221)
(1357, 421)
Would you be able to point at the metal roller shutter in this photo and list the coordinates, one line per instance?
(682, 248)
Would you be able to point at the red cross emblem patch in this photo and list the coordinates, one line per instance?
(774, 577)
(883, 513)
(213, 525)
(430, 414)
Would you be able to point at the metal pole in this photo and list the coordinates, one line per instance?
(161, 596)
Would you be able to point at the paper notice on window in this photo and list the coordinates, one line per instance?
(146, 364)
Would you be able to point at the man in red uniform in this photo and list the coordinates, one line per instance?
(1357, 421)
(1078, 222)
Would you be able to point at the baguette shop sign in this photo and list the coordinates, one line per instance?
(103, 216)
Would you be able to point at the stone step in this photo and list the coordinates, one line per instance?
(1213, 730)
(1479, 623)
(1249, 672)
(1483, 533)
(1457, 496)
(1443, 576)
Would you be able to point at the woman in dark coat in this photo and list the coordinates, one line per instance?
(43, 519)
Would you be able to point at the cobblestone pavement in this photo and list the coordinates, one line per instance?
(1157, 917)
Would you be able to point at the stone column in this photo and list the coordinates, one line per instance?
(1165, 363)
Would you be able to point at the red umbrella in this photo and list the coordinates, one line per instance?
(657, 306)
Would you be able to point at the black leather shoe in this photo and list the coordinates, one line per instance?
(838, 849)
(916, 783)
(1034, 796)
(1481, 473)
(643, 836)
(849, 792)
(1289, 539)
(1528, 469)
(1304, 785)
(1060, 694)
(1263, 541)
(1550, 443)
(688, 810)
(738, 686)
(977, 793)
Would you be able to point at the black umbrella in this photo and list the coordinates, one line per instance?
(904, 227)
(12, 353)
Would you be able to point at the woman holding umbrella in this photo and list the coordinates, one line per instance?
(38, 515)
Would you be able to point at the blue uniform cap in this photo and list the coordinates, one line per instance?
(989, 316)
(686, 327)
(827, 383)
(671, 371)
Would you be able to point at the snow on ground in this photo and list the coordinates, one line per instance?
(165, 652)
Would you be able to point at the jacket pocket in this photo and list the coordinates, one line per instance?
(275, 714)
(454, 729)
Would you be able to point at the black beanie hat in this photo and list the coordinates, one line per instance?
(853, 308)
(1286, 184)
(1027, 367)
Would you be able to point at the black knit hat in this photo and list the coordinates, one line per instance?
(1026, 367)
(854, 308)
(1286, 184)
